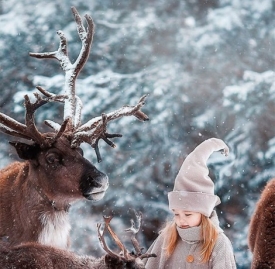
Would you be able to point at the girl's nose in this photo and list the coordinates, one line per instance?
(183, 222)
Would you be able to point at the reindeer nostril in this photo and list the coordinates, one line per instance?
(88, 183)
(97, 184)
(93, 182)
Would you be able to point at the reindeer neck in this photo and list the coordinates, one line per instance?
(55, 229)
(53, 218)
(51, 203)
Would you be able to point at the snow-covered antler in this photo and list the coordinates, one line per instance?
(95, 129)
(134, 230)
(73, 105)
(28, 130)
(134, 258)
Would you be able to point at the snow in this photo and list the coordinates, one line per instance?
(224, 19)
(10, 26)
(48, 83)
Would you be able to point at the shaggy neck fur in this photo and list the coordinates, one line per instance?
(56, 228)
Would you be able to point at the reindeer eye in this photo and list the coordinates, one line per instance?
(52, 158)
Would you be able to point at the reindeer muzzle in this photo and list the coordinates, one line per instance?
(94, 188)
(97, 194)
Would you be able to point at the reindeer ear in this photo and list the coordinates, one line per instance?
(26, 151)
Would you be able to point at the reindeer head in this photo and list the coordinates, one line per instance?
(64, 174)
(56, 156)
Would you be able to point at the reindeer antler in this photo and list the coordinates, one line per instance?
(126, 256)
(28, 130)
(95, 129)
(134, 230)
(90, 132)
(73, 104)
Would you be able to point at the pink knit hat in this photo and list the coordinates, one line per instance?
(194, 189)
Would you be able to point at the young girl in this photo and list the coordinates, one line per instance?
(193, 239)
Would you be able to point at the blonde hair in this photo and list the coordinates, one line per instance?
(209, 236)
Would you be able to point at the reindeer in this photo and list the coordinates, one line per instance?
(261, 236)
(36, 194)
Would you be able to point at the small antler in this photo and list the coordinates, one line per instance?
(134, 230)
(126, 257)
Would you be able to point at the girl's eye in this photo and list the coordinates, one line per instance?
(187, 215)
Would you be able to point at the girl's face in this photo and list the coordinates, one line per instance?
(186, 219)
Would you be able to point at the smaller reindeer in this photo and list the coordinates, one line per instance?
(132, 260)
(33, 255)
(261, 238)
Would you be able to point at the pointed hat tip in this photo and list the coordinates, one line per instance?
(219, 144)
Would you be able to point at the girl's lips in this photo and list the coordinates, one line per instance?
(184, 227)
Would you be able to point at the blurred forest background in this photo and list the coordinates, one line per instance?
(208, 67)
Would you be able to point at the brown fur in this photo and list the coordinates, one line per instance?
(17, 202)
(261, 237)
(36, 256)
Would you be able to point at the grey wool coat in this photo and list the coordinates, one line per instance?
(222, 256)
